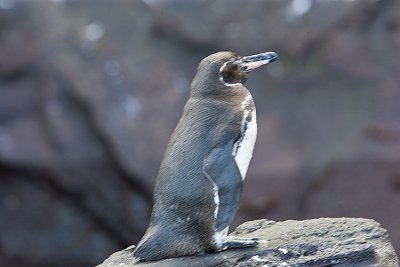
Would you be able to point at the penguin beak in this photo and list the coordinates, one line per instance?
(250, 63)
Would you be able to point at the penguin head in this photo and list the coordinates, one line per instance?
(227, 69)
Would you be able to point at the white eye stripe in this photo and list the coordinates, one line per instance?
(221, 79)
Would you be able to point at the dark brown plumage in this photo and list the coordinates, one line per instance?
(198, 187)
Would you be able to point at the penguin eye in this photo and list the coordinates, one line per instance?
(232, 73)
(228, 71)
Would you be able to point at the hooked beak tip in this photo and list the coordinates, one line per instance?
(273, 56)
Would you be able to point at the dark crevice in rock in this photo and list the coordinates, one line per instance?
(86, 113)
(39, 176)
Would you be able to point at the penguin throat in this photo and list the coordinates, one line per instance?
(221, 77)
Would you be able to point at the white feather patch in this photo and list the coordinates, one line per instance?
(220, 237)
(243, 148)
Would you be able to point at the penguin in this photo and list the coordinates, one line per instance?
(198, 188)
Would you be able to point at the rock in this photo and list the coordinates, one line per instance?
(317, 242)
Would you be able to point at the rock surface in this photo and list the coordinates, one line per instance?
(318, 242)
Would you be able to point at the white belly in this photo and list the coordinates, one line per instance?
(243, 148)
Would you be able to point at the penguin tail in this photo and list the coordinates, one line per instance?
(164, 245)
(149, 250)
(142, 253)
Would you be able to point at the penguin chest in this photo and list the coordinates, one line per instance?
(244, 146)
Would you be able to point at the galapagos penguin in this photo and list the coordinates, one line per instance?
(199, 183)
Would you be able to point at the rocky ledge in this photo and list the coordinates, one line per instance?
(319, 242)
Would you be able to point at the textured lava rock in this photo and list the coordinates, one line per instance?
(318, 242)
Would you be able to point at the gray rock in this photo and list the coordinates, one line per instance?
(318, 242)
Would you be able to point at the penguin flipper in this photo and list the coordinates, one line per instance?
(221, 169)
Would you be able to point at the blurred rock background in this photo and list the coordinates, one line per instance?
(91, 90)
